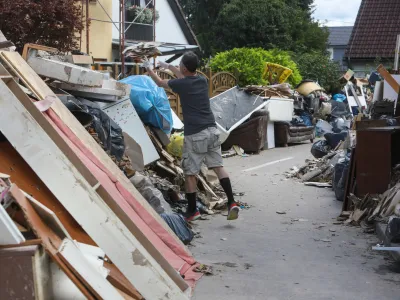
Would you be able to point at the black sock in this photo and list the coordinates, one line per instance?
(191, 198)
(226, 185)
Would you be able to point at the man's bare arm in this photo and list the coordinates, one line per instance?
(160, 82)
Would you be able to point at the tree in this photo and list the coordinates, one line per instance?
(225, 24)
(53, 23)
(201, 15)
(319, 67)
(267, 24)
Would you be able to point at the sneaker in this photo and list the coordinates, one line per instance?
(192, 217)
(233, 213)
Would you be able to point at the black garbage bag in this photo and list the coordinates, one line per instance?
(339, 178)
(108, 131)
(90, 115)
(393, 230)
(178, 225)
(333, 139)
(320, 149)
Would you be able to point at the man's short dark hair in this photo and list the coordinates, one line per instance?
(190, 61)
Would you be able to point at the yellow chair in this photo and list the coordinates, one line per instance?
(275, 73)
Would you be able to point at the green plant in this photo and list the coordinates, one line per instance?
(142, 15)
(250, 64)
(318, 66)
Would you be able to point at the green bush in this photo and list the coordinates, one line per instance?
(319, 67)
(250, 64)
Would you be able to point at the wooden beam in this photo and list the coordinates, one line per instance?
(79, 198)
(389, 78)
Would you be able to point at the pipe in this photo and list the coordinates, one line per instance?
(87, 27)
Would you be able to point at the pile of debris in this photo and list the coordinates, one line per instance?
(318, 170)
(273, 91)
(142, 51)
(70, 157)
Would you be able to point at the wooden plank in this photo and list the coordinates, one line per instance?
(50, 240)
(23, 176)
(117, 279)
(41, 91)
(49, 217)
(389, 79)
(26, 243)
(74, 258)
(78, 197)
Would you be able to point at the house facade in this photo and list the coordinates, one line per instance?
(337, 43)
(170, 28)
(373, 38)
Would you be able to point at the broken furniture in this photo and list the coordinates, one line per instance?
(233, 107)
(286, 134)
(251, 135)
(377, 151)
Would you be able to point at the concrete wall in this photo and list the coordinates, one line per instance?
(100, 33)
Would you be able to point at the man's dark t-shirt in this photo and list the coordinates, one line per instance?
(193, 93)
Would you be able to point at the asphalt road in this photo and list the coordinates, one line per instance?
(299, 255)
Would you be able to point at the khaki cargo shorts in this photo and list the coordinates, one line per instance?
(203, 146)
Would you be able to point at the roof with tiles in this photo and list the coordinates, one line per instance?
(375, 30)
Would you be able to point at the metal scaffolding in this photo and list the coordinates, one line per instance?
(121, 25)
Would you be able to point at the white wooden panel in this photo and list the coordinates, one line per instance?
(9, 233)
(70, 251)
(81, 201)
(388, 91)
(124, 114)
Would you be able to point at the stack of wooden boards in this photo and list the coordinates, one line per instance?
(93, 200)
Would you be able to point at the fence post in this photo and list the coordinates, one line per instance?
(209, 74)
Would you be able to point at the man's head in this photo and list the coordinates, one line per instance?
(189, 64)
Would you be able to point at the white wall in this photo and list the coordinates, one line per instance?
(167, 27)
(115, 18)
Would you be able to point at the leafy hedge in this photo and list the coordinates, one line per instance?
(250, 64)
(319, 67)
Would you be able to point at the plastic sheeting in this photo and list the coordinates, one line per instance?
(178, 225)
(232, 106)
(151, 102)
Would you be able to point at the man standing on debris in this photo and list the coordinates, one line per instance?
(201, 133)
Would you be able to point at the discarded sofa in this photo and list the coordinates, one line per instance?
(251, 135)
(286, 134)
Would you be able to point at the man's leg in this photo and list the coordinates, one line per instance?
(191, 187)
(226, 185)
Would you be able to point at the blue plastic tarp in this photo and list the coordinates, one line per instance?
(151, 102)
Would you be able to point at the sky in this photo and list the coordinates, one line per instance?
(336, 12)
